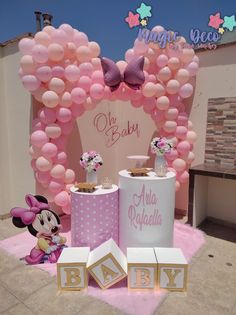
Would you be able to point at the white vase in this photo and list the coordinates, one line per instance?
(160, 165)
(92, 177)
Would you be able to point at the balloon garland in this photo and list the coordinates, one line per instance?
(61, 68)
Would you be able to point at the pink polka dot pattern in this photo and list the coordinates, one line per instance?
(94, 218)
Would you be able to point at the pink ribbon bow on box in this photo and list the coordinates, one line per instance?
(28, 215)
(133, 75)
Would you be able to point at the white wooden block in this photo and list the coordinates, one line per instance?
(172, 269)
(107, 264)
(71, 268)
(142, 268)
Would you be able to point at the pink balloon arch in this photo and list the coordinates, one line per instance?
(62, 70)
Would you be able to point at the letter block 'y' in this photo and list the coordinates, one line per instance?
(107, 264)
(71, 269)
(142, 268)
(172, 269)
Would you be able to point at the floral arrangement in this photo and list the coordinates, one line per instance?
(160, 145)
(91, 161)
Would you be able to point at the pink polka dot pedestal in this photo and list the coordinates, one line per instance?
(94, 216)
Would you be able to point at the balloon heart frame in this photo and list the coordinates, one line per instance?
(62, 70)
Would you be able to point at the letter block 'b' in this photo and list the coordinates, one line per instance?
(172, 269)
(142, 268)
(71, 268)
(107, 264)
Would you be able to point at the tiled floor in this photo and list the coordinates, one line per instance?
(211, 287)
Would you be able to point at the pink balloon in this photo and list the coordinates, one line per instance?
(43, 164)
(50, 99)
(55, 186)
(49, 150)
(42, 38)
(68, 30)
(58, 72)
(66, 100)
(60, 158)
(63, 114)
(53, 131)
(78, 95)
(85, 83)
(57, 85)
(28, 65)
(97, 91)
(70, 51)
(37, 125)
(175, 100)
(38, 94)
(183, 177)
(30, 82)
(151, 55)
(164, 74)
(26, 45)
(171, 113)
(47, 115)
(38, 138)
(181, 132)
(83, 54)
(96, 62)
(137, 103)
(62, 199)
(77, 110)
(67, 209)
(72, 73)
(174, 63)
(40, 53)
(191, 136)
(58, 171)
(190, 157)
(94, 49)
(88, 105)
(140, 47)
(177, 185)
(163, 102)
(187, 55)
(182, 76)
(182, 119)
(86, 68)
(160, 90)
(121, 64)
(157, 115)
(59, 36)
(179, 165)
(60, 143)
(33, 165)
(172, 155)
(172, 86)
(66, 128)
(80, 38)
(97, 77)
(129, 55)
(190, 125)
(55, 52)
(44, 73)
(162, 61)
(186, 90)
(192, 68)
(149, 105)
(69, 176)
(169, 126)
(43, 177)
(149, 89)
(183, 147)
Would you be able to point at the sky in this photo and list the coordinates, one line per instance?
(104, 21)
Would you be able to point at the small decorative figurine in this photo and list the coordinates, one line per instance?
(42, 223)
(107, 183)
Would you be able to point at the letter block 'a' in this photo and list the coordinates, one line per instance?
(142, 268)
(71, 269)
(107, 264)
(172, 269)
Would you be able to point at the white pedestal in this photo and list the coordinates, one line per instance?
(146, 210)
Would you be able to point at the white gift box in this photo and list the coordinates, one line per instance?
(71, 268)
(142, 268)
(172, 269)
(107, 264)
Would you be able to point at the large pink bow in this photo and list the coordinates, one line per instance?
(28, 215)
(133, 75)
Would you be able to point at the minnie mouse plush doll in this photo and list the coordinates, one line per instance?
(42, 223)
